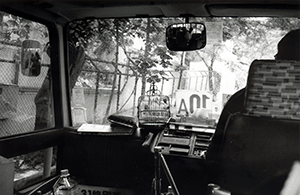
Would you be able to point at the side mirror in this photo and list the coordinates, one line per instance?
(186, 36)
(31, 58)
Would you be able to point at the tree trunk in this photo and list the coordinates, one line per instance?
(146, 55)
(76, 66)
(96, 97)
(43, 102)
(181, 69)
(210, 79)
(115, 74)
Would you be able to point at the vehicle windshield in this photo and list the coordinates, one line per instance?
(123, 67)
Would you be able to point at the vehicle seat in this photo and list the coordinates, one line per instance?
(261, 143)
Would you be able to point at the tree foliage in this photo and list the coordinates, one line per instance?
(102, 41)
(244, 40)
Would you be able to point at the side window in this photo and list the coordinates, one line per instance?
(25, 91)
(25, 85)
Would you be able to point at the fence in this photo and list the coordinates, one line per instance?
(89, 104)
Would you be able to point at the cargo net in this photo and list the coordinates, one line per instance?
(153, 108)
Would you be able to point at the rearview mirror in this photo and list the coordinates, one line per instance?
(31, 58)
(186, 36)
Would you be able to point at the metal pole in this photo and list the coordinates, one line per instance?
(48, 153)
(168, 174)
(157, 179)
(159, 158)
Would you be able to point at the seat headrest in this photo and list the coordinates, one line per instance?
(273, 89)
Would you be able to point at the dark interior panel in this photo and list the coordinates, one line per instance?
(122, 162)
(108, 161)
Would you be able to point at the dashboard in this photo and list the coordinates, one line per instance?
(184, 139)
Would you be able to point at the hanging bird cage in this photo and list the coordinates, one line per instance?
(153, 108)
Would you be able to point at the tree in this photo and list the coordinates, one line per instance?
(254, 38)
(209, 58)
(155, 53)
(244, 39)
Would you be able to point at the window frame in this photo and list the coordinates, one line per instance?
(32, 141)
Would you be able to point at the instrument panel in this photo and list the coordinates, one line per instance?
(184, 139)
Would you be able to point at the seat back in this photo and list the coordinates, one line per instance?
(260, 144)
(273, 89)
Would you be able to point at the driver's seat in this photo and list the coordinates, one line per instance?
(260, 144)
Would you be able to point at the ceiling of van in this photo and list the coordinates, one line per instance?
(67, 10)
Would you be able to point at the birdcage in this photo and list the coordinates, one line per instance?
(153, 108)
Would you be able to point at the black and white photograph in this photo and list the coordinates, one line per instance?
(149, 97)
